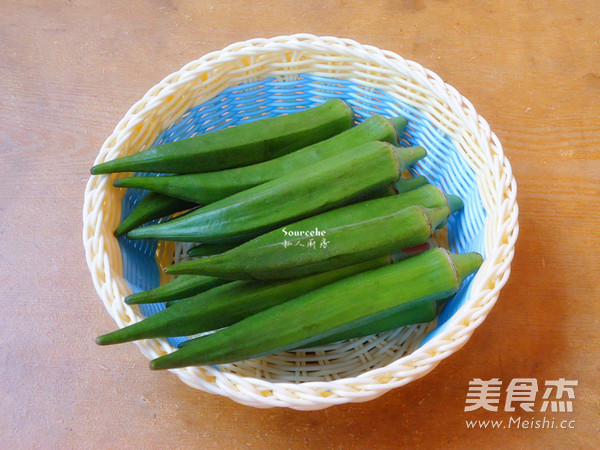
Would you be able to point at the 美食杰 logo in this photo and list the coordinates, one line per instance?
(522, 395)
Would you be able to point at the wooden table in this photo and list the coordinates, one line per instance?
(69, 70)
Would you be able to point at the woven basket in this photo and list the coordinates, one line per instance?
(267, 77)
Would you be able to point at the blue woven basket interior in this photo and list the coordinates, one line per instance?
(443, 165)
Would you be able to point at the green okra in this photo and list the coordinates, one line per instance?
(419, 312)
(181, 287)
(152, 206)
(334, 308)
(397, 255)
(239, 145)
(319, 187)
(345, 245)
(339, 237)
(228, 304)
(415, 312)
(408, 184)
(209, 249)
(206, 188)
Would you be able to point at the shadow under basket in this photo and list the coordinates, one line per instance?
(268, 77)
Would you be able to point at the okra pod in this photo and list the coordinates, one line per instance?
(417, 312)
(239, 145)
(228, 304)
(397, 255)
(181, 287)
(351, 244)
(408, 184)
(334, 308)
(319, 187)
(338, 237)
(209, 249)
(205, 188)
(152, 206)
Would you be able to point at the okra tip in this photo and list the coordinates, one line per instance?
(154, 366)
(102, 168)
(105, 339)
(134, 300)
(180, 268)
(409, 184)
(186, 267)
(123, 182)
(182, 357)
(162, 362)
(120, 164)
(189, 342)
(141, 233)
(121, 229)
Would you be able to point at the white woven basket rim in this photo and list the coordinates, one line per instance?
(495, 181)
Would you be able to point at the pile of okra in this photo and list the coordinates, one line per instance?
(307, 230)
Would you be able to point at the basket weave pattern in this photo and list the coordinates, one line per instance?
(351, 371)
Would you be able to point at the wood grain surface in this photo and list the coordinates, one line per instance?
(69, 70)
